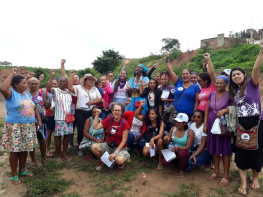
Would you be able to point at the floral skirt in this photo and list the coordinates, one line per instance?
(63, 128)
(19, 137)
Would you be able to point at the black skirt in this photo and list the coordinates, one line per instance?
(250, 159)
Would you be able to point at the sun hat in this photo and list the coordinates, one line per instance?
(85, 77)
(182, 117)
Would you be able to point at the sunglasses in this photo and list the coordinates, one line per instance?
(110, 75)
(117, 110)
(195, 116)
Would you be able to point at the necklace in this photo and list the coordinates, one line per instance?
(134, 80)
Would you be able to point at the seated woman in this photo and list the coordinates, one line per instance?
(200, 156)
(182, 141)
(154, 132)
(117, 131)
(138, 128)
(153, 95)
(95, 136)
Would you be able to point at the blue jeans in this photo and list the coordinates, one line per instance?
(203, 159)
(140, 144)
(104, 114)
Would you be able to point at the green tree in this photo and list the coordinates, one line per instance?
(109, 60)
(6, 63)
(170, 45)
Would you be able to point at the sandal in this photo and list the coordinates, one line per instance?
(44, 162)
(223, 182)
(212, 176)
(121, 166)
(242, 191)
(49, 154)
(253, 185)
(207, 169)
(26, 173)
(59, 160)
(180, 175)
(15, 180)
(68, 158)
(32, 165)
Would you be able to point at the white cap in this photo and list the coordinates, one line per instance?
(182, 117)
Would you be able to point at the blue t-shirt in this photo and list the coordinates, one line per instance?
(101, 91)
(187, 102)
(20, 108)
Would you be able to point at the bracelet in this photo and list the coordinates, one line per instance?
(167, 60)
(116, 151)
(175, 147)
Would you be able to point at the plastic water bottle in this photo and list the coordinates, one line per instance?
(100, 135)
(222, 120)
(72, 109)
(170, 147)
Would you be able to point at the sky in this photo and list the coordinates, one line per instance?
(41, 33)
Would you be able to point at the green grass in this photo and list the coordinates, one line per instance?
(187, 190)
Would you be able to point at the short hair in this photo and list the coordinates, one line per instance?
(55, 79)
(113, 104)
(97, 83)
(95, 107)
(63, 77)
(205, 77)
(101, 76)
(109, 73)
(16, 80)
(77, 75)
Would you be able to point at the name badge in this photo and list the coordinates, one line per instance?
(180, 88)
(245, 137)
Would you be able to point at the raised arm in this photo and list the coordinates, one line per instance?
(96, 124)
(210, 68)
(149, 74)
(137, 112)
(70, 81)
(63, 70)
(258, 63)
(4, 88)
(126, 62)
(206, 117)
(49, 84)
(41, 78)
(168, 65)
(47, 104)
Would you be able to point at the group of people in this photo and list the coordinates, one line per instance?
(143, 112)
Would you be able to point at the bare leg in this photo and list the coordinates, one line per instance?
(255, 178)
(243, 177)
(13, 159)
(65, 146)
(226, 164)
(22, 161)
(58, 147)
(159, 145)
(96, 150)
(33, 158)
(42, 144)
(48, 140)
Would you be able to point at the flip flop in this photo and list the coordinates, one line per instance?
(253, 185)
(26, 173)
(44, 162)
(212, 176)
(15, 180)
(120, 167)
(68, 158)
(223, 182)
(49, 154)
(32, 165)
(59, 160)
(242, 191)
(180, 175)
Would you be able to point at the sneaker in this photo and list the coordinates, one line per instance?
(100, 165)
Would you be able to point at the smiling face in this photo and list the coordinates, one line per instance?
(110, 77)
(238, 77)
(63, 82)
(33, 85)
(89, 81)
(138, 70)
(116, 112)
(123, 75)
(152, 84)
(193, 78)
(76, 80)
(220, 85)
(164, 80)
(103, 81)
(152, 115)
(54, 83)
(185, 76)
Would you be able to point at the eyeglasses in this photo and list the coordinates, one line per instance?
(195, 116)
(117, 110)
(110, 75)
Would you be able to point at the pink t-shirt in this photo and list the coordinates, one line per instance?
(203, 96)
(107, 91)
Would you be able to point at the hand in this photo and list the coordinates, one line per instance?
(155, 65)
(166, 56)
(127, 61)
(128, 101)
(207, 56)
(105, 109)
(98, 111)
(39, 124)
(98, 141)
(205, 129)
(112, 156)
(14, 71)
(193, 157)
(89, 103)
(141, 82)
(205, 65)
(52, 72)
(63, 61)
(163, 99)
(137, 138)
(72, 72)
(174, 149)
(41, 77)
(261, 44)
(151, 143)
(143, 102)
(220, 113)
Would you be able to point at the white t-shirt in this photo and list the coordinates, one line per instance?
(66, 98)
(121, 93)
(136, 126)
(199, 133)
(85, 96)
(151, 99)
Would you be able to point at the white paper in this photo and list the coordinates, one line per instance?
(168, 154)
(83, 102)
(52, 103)
(165, 94)
(152, 150)
(105, 159)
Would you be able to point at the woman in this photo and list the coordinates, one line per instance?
(117, 131)
(63, 105)
(154, 132)
(95, 136)
(218, 145)
(186, 94)
(41, 103)
(107, 93)
(247, 98)
(120, 91)
(133, 85)
(167, 90)
(50, 113)
(193, 77)
(153, 95)
(19, 133)
(182, 141)
(88, 96)
(200, 156)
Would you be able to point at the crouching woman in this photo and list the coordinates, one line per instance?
(117, 131)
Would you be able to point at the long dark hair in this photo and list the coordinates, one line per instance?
(156, 82)
(201, 112)
(158, 119)
(205, 77)
(16, 80)
(232, 90)
(117, 82)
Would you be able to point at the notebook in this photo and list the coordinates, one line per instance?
(168, 154)
(105, 159)
(152, 150)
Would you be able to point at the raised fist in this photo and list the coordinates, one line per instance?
(52, 72)
(143, 102)
(207, 56)
(166, 56)
(72, 72)
(128, 101)
(98, 111)
(63, 61)
(141, 82)
(41, 77)
(30, 74)
(14, 71)
(127, 61)
(261, 44)
(155, 65)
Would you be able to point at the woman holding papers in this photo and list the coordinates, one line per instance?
(167, 90)
(154, 132)
(182, 140)
(200, 156)
(117, 131)
(88, 96)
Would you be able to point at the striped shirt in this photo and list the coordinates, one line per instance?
(66, 98)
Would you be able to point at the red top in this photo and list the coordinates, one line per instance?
(112, 137)
(48, 111)
(74, 100)
(129, 115)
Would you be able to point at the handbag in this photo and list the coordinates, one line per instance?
(223, 128)
(86, 143)
(69, 116)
